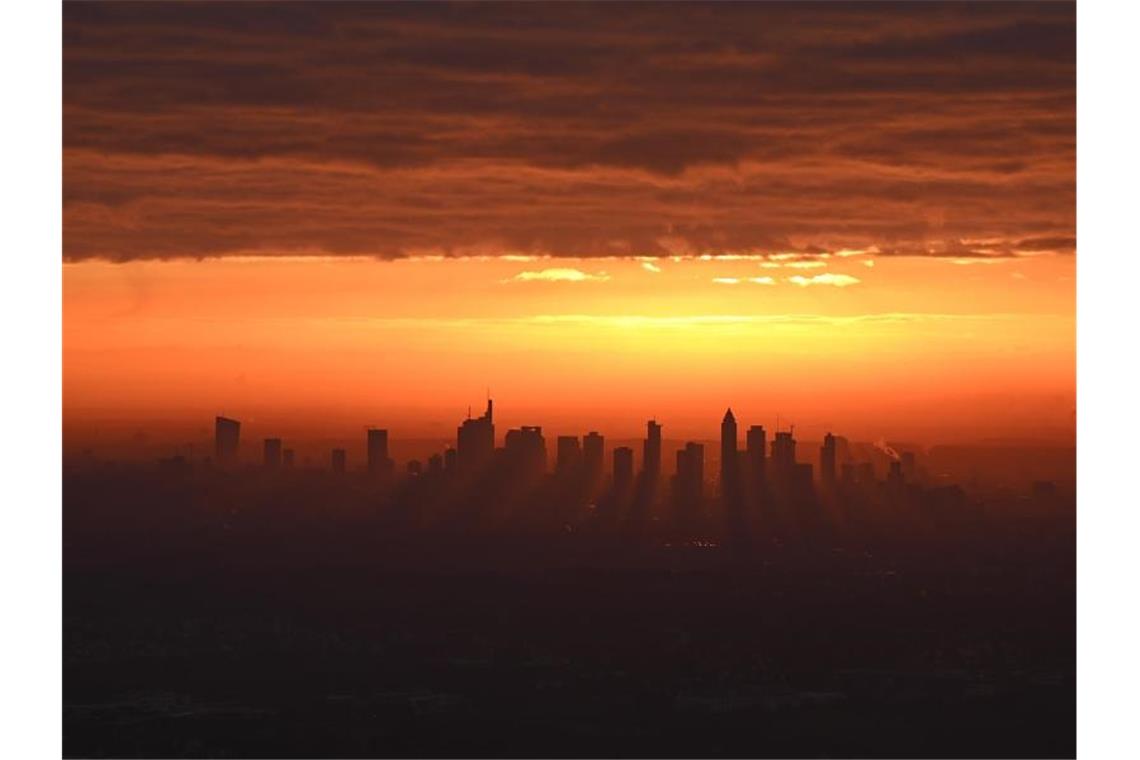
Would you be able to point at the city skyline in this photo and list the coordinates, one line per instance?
(748, 458)
(145, 437)
(547, 379)
(366, 446)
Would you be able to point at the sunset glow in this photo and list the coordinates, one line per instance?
(918, 347)
(591, 379)
(372, 213)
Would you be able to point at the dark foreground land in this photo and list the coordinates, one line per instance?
(190, 631)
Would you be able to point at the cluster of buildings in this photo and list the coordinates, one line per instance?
(761, 471)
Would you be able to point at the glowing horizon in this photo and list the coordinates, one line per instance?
(298, 340)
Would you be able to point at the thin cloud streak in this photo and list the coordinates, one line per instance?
(559, 274)
(827, 278)
(738, 280)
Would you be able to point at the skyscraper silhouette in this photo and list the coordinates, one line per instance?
(525, 451)
(287, 458)
(728, 456)
(827, 462)
(475, 440)
(226, 433)
(645, 491)
(783, 456)
(339, 461)
(379, 462)
(593, 454)
(651, 454)
(272, 453)
(782, 472)
(757, 465)
(756, 446)
(568, 454)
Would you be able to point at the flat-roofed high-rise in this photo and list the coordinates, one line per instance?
(651, 454)
(568, 454)
(272, 453)
(226, 435)
(378, 459)
(593, 453)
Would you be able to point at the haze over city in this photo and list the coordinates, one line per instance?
(569, 379)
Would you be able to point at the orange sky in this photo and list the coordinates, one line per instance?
(332, 215)
(930, 349)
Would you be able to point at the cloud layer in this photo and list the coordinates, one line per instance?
(568, 129)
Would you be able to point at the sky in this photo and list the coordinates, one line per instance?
(327, 215)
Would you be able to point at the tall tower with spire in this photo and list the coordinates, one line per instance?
(728, 455)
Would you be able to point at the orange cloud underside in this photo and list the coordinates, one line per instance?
(916, 347)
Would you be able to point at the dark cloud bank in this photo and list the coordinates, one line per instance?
(568, 129)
